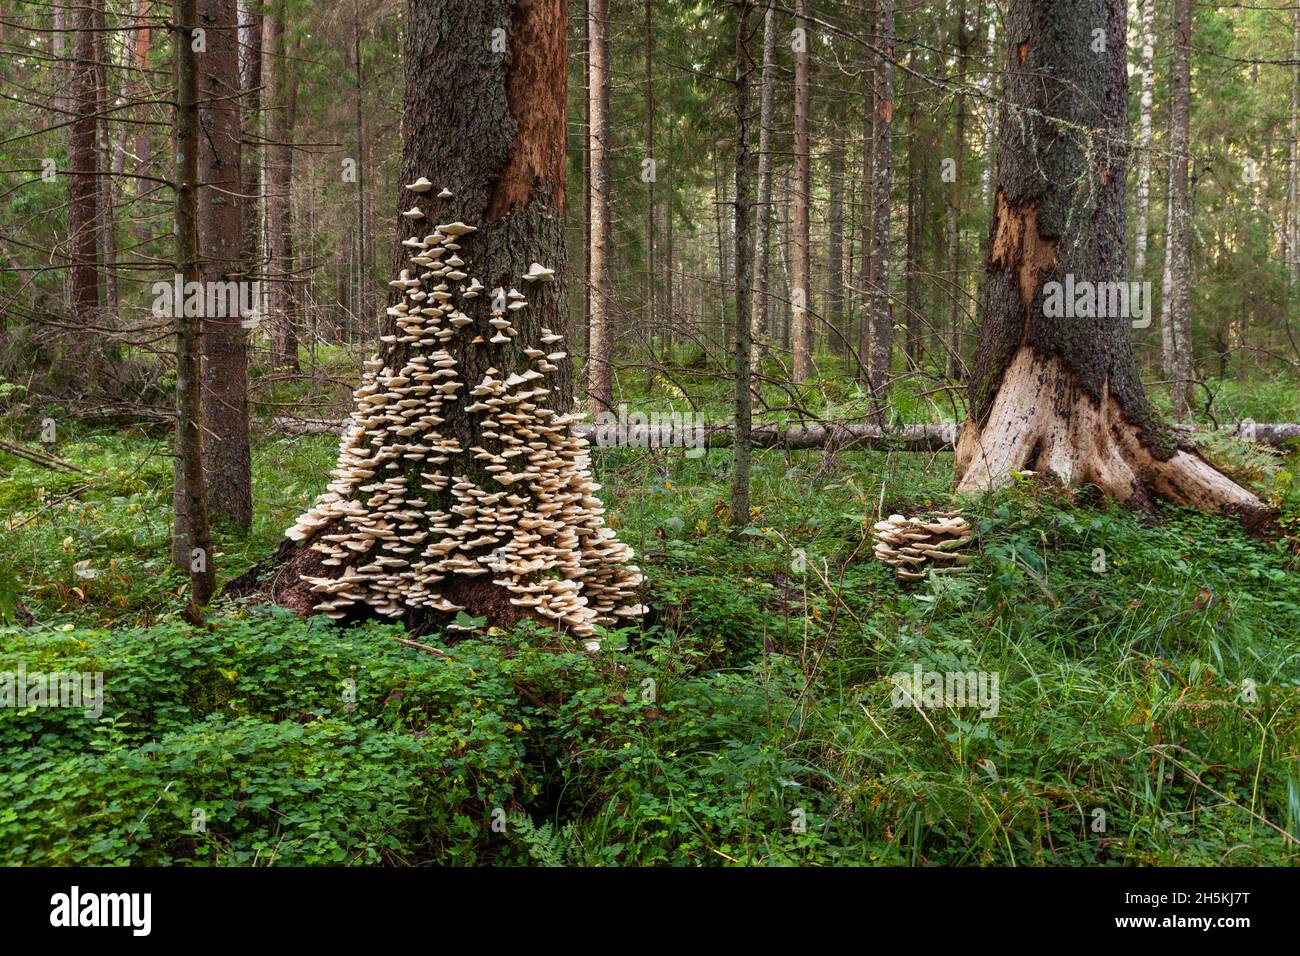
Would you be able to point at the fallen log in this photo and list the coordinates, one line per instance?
(940, 436)
(934, 437)
(38, 457)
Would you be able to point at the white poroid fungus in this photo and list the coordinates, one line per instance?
(530, 520)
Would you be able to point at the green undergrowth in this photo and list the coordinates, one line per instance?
(1147, 711)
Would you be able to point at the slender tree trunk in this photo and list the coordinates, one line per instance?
(1050, 391)
(912, 293)
(83, 184)
(143, 139)
(459, 460)
(669, 262)
(784, 246)
(835, 243)
(226, 461)
(600, 351)
(105, 233)
(250, 165)
(366, 299)
(952, 353)
(585, 30)
(879, 359)
(649, 174)
(1292, 226)
(1143, 211)
(800, 304)
(58, 49)
(279, 182)
(990, 109)
(724, 287)
(851, 205)
(196, 541)
(761, 306)
(741, 451)
(870, 9)
(1178, 358)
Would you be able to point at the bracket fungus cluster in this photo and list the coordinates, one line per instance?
(908, 545)
(409, 510)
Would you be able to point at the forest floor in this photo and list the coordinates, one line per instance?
(1148, 705)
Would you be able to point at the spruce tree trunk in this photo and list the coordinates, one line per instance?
(226, 460)
(1291, 228)
(143, 140)
(870, 9)
(800, 304)
(584, 30)
(881, 353)
(367, 299)
(1143, 210)
(600, 353)
(195, 541)
(649, 174)
(459, 484)
(761, 306)
(1050, 393)
(740, 453)
(83, 184)
(912, 258)
(835, 242)
(283, 317)
(106, 234)
(990, 109)
(953, 351)
(1178, 351)
(250, 154)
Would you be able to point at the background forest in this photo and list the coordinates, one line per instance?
(1149, 704)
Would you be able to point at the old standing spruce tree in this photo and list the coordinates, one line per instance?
(1062, 396)
(459, 484)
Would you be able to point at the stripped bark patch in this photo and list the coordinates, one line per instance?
(535, 85)
(1017, 246)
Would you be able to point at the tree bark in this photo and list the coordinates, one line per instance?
(1174, 313)
(106, 234)
(870, 11)
(1143, 210)
(278, 79)
(1052, 393)
(800, 304)
(143, 138)
(365, 251)
(83, 184)
(761, 306)
(1291, 228)
(585, 291)
(651, 291)
(458, 460)
(912, 258)
(600, 353)
(226, 461)
(250, 153)
(741, 258)
(990, 109)
(952, 353)
(835, 242)
(881, 353)
(196, 539)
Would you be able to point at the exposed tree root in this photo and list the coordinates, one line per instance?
(1041, 421)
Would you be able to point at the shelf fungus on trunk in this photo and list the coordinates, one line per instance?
(913, 546)
(413, 520)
